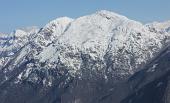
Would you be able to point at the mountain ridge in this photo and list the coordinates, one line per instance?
(96, 51)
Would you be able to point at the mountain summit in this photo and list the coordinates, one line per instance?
(77, 60)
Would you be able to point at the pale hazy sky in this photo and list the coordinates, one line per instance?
(22, 13)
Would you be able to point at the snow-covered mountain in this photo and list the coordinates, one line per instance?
(68, 55)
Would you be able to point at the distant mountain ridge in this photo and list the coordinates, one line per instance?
(66, 56)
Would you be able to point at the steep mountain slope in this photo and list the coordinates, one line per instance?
(152, 84)
(11, 43)
(76, 61)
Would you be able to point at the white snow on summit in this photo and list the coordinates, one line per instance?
(53, 30)
(129, 43)
(57, 26)
(161, 26)
(103, 42)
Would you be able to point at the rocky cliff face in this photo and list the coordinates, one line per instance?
(81, 60)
